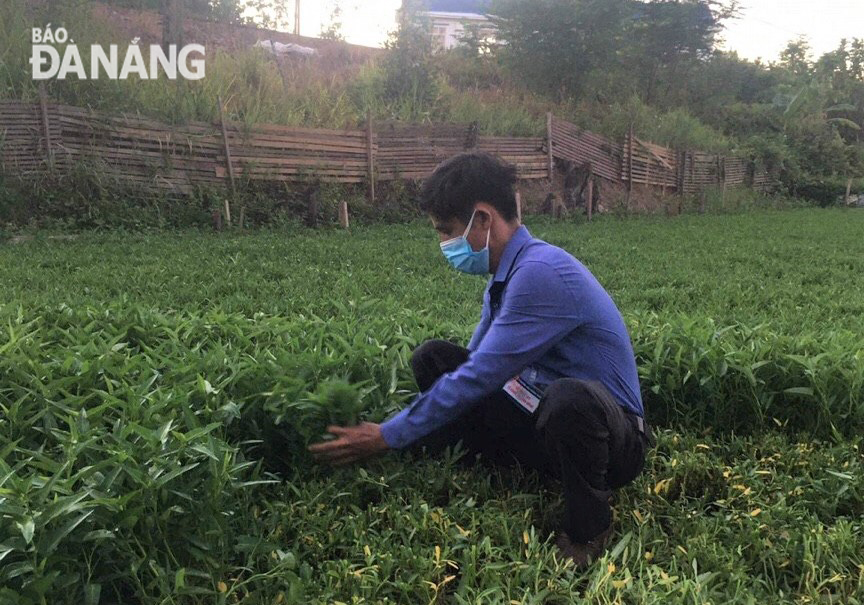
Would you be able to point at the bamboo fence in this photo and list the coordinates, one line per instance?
(143, 153)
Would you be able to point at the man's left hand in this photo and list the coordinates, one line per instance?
(353, 443)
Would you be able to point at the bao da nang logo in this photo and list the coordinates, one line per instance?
(55, 55)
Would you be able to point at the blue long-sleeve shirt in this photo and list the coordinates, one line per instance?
(545, 316)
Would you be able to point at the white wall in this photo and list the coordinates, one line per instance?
(448, 28)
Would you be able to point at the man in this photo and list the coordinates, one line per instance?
(548, 379)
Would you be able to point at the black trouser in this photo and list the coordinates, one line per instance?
(578, 434)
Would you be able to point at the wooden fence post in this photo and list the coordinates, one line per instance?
(590, 191)
(471, 137)
(703, 198)
(370, 158)
(848, 199)
(692, 161)
(648, 161)
(519, 206)
(228, 161)
(629, 167)
(46, 127)
(549, 146)
(343, 214)
(721, 166)
(664, 171)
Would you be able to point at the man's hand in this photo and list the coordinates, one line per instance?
(353, 443)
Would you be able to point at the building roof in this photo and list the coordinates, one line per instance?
(477, 7)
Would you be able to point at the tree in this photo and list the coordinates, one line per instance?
(333, 31)
(796, 57)
(411, 72)
(856, 59)
(202, 9)
(646, 47)
(473, 43)
(172, 12)
(267, 13)
(554, 45)
(668, 40)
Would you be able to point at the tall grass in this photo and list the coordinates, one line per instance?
(676, 128)
(333, 90)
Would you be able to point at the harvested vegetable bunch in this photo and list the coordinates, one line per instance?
(288, 422)
(338, 402)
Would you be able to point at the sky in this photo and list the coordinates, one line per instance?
(764, 28)
(363, 22)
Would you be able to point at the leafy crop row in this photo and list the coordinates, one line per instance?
(153, 426)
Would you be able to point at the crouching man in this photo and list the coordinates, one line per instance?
(548, 379)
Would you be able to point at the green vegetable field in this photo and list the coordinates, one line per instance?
(157, 393)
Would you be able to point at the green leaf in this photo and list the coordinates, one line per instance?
(622, 543)
(163, 479)
(92, 593)
(98, 534)
(27, 528)
(54, 537)
(162, 435)
(842, 107)
(844, 122)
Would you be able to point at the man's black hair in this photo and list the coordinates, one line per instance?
(463, 180)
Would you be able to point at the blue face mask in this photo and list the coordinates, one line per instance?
(462, 257)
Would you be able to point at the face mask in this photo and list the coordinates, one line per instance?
(459, 254)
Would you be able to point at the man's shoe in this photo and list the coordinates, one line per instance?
(584, 554)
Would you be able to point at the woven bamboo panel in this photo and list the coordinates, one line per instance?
(580, 146)
(193, 154)
(23, 149)
(700, 170)
(764, 180)
(525, 153)
(412, 151)
(735, 170)
(650, 165)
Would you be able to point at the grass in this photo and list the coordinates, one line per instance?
(156, 392)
